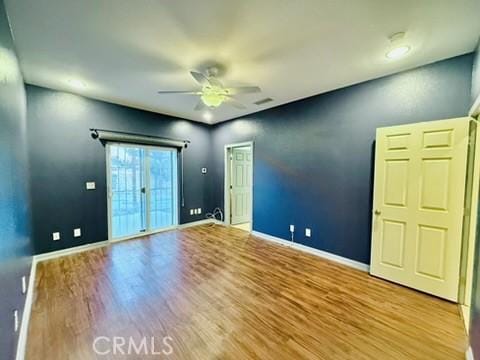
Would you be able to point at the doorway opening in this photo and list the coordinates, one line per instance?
(142, 190)
(238, 197)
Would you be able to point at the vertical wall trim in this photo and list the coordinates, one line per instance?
(22, 338)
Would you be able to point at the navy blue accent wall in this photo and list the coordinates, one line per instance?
(313, 159)
(63, 157)
(15, 248)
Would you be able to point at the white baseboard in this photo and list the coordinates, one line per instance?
(469, 354)
(198, 222)
(324, 254)
(27, 309)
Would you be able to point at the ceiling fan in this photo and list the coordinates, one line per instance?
(213, 93)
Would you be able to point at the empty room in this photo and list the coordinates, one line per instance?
(258, 179)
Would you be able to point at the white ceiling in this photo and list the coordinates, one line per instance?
(124, 50)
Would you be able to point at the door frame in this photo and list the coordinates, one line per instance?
(226, 180)
(147, 190)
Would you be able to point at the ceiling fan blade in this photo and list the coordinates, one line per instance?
(215, 82)
(200, 105)
(236, 104)
(244, 90)
(200, 78)
(179, 92)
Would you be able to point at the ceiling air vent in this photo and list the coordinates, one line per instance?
(263, 101)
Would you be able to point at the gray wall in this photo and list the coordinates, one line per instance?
(63, 157)
(15, 249)
(313, 158)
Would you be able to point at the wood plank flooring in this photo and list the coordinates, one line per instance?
(220, 293)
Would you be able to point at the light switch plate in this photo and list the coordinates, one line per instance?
(56, 236)
(191, 212)
(90, 185)
(77, 232)
(292, 228)
(308, 232)
(199, 211)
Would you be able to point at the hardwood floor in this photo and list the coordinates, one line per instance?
(220, 293)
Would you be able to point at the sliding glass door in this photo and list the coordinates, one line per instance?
(142, 189)
(162, 185)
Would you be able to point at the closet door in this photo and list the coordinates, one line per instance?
(420, 173)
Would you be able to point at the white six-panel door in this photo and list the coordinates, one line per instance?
(420, 173)
(241, 188)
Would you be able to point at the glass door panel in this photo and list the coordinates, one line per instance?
(127, 190)
(162, 188)
(142, 189)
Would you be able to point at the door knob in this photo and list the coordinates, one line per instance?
(377, 212)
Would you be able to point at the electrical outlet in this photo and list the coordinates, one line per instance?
(292, 228)
(56, 236)
(204, 170)
(90, 185)
(308, 232)
(199, 211)
(16, 322)
(77, 232)
(24, 284)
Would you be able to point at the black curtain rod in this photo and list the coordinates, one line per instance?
(95, 135)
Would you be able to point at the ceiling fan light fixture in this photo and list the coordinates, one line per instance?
(213, 93)
(213, 96)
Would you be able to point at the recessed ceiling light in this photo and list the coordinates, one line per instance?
(77, 84)
(207, 116)
(398, 52)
